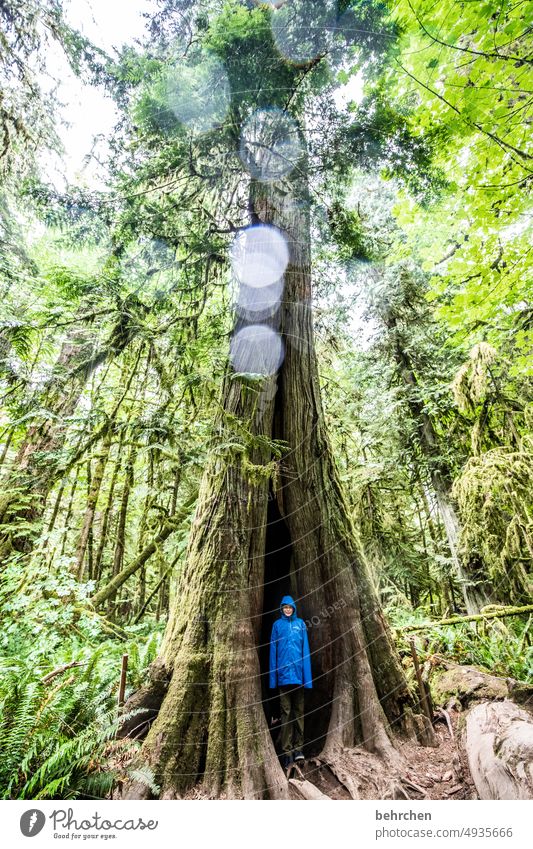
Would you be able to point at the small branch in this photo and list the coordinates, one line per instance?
(152, 594)
(61, 669)
(122, 685)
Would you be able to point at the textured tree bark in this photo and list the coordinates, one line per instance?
(354, 658)
(211, 728)
(498, 739)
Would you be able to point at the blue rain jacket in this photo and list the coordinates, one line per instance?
(290, 661)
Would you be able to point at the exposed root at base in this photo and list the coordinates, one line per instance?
(338, 773)
(421, 772)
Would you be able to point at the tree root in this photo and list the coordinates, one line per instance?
(410, 785)
(441, 712)
(364, 774)
(306, 790)
(142, 707)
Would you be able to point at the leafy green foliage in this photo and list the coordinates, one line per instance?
(499, 646)
(469, 74)
(56, 736)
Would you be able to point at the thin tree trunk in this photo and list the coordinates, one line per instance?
(66, 526)
(57, 504)
(7, 443)
(152, 594)
(107, 510)
(110, 590)
(36, 466)
(90, 510)
(477, 591)
(120, 536)
(143, 523)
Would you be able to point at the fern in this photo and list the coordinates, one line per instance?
(53, 737)
(146, 776)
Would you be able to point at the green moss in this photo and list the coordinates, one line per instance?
(467, 684)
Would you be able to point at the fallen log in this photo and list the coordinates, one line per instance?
(498, 741)
(499, 613)
(467, 684)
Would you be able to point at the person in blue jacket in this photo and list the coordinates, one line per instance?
(290, 672)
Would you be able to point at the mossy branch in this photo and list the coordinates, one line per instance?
(478, 617)
(168, 528)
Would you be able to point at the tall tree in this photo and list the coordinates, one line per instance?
(210, 722)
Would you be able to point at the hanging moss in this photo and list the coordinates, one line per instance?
(472, 380)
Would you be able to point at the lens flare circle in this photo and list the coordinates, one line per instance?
(256, 349)
(302, 28)
(259, 256)
(270, 145)
(198, 92)
(258, 303)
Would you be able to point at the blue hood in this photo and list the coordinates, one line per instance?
(287, 599)
(290, 657)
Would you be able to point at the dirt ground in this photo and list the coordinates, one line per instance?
(441, 773)
(430, 773)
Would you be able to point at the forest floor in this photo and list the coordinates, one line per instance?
(439, 772)
(430, 772)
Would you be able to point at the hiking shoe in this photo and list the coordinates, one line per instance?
(286, 761)
(299, 758)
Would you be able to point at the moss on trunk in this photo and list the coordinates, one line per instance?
(211, 728)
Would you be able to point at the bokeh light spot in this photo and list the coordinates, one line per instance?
(256, 349)
(198, 92)
(270, 145)
(257, 303)
(259, 256)
(301, 28)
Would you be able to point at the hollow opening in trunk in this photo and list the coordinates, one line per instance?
(277, 583)
(281, 580)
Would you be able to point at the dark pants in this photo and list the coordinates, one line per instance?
(291, 700)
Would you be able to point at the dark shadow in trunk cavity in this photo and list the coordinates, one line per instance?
(280, 581)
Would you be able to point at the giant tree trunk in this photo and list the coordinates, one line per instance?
(262, 527)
